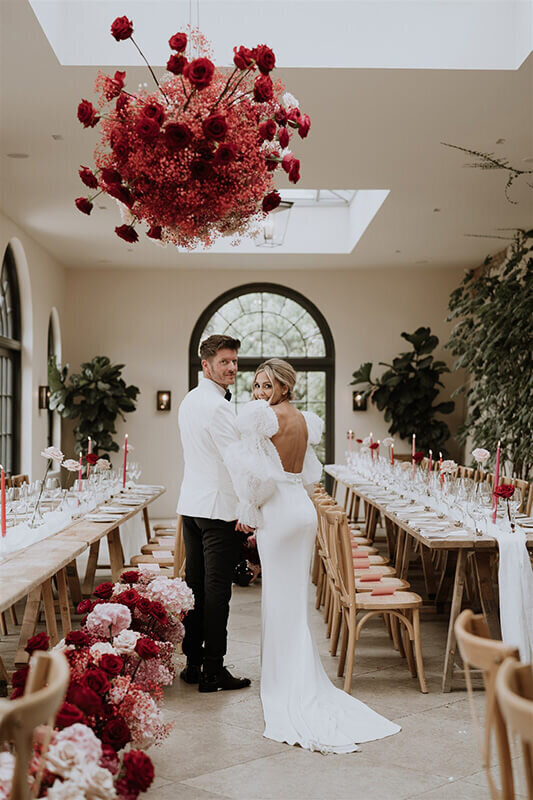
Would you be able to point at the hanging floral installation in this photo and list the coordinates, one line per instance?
(194, 159)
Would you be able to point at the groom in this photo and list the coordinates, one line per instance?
(208, 505)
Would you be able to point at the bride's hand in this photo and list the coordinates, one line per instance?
(242, 528)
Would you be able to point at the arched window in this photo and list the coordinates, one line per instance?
(271, 320)
(10, 347)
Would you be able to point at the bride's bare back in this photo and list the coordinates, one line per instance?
(291, 439)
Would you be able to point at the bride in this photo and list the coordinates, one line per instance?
(271, 467)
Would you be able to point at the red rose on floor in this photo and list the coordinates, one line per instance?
(84, 205)
(139, 770)
(87, 114)
(85, 698)
(127, 232)
(88, 177)
(153, 233)
(215, 127)
(304, 126)
(283, 138)
(271, 201)
(178, 42)
(147, 129)
(144, 605)
(225, 154)
(505, 492)
(177, 135)
(154, 111)
(92, 458)
(110, 176)
(131, 576)
(18, 679)
(157, 611)
(267, 130)
(38, 642)
(111, 664)
(281, 116)
(199, 72)
(129, 598)
(116, 734)
(263, 89)
(264, 58)
(97, 680)
(176, 63)
(418, 457)
(77, 638)
(243, 57)
(84, 607)
(121, 29)
(146, 648)
(104, 590)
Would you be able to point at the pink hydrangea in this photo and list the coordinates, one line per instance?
(85, 740)
(108, 619)
(7, 765)
(173, 593)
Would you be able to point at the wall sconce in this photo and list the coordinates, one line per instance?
(359, 401)
(163, 400)
(44, 397)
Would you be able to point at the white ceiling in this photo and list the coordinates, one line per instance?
(372, 129)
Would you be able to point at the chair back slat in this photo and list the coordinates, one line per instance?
(514, 690)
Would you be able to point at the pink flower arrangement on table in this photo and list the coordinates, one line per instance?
(119, 661)
(195, 159)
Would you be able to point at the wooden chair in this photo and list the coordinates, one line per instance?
(478, 650)
(19, 480)
(46, 686)
(404, 606)
(170, 556)
(521, 486)
(514, 692)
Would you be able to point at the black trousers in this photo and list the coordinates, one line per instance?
(212, 549)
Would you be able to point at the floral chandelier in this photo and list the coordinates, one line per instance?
(195, 159)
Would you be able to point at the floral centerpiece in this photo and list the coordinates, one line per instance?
(194, 159)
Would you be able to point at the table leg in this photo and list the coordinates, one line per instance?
(64, 601)
(455, 610)
(489, 600)
(74, 582)
(429, 572)
(404, 566)
(391, 538)
(29, 623)
(50, 611)
(147, 528)
(372, 523)
(115, 553)
(90, 572)
(4, 680)
(446, 580)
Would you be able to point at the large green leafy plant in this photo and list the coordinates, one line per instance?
(95, 397)
(493, 342)
(407, 391)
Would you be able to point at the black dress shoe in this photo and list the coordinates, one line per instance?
(221, 680)
(191, 673)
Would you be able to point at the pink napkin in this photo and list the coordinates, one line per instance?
(361, 563)
(382, 591)
(373, 577)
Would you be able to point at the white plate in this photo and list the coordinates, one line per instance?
(103, 517)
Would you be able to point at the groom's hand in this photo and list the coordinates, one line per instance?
(242, 528)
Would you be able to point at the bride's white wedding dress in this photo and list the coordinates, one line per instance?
(300, 704)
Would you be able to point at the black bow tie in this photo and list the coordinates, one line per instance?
(227, 395)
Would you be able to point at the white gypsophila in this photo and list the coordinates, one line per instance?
(99, 649)
(103, 464)
(289, 101)
(388, 441)
(71, 464)
(125, 642)
(480, 455)
(53, 453)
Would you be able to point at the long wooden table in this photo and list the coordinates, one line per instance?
(480, 549)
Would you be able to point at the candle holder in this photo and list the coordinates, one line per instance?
(164, 400)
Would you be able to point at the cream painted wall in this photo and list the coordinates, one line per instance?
(42, 287)
(144, 318)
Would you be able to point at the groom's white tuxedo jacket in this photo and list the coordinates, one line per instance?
(207, 426)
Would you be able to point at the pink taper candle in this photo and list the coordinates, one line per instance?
(349, 436)
(430, 463)
(496, 482)
(371, 442)
(3, 492)
(79, 478)
(125, 461)
(89, 450)
(440, 465)
(413, 450)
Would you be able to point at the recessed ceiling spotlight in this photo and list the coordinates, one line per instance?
(103, 208)
(57, 137)
(500, 141)
(18, 155)
(436, 209)
(397, 251)
(423, 261)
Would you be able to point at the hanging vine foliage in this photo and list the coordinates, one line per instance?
(493, 342)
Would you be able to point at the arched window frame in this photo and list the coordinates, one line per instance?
(10, 348)
(324, 363)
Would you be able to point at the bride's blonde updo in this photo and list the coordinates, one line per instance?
(281, 371)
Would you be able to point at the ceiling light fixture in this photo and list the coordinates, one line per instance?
(273, 229)
(435, 210)
(57, 137)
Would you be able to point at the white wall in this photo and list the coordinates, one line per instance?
(144, 318)
(42, 288)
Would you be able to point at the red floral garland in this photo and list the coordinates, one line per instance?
(195, 159)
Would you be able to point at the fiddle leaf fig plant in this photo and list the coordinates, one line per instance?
(407, 391)
(95, 397)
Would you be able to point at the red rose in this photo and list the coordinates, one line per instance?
(418, 456)
(18, 679)
(114, 86)
(111, 664)
(147, 129)
(281, 116)
(267, 130)
(283, 138)
(286, 162)
(88, 177)
(87, 114)
(177, 135)
(294, 172)
(271, 201)
(294, 116)
(215, 127)
(91, 458)
(146, 648)
(128, 598)
(178, 42)
(272, 161)
(38, 642)
(505, 492)
(85, 698)
(305, 124)
(123, 102)
(97, 680)
(110, 176)
(127, 232)
(374, 446)
(104, 590)
(131, 576)
(225, 154)
(199, 72)
(77, 638)
(263, 89)
(122, 28)
(116, 734)
(359, 441)
(121, 149)
(157, 611)
(200, 169)
(264, 58)
(84, 607)
(176, 63)
(84, 205)
(154, 232)
(144, 605)
(139, 770)
(121, 193)
(18, 692)
(154, 111)
(243, 57)
(109, 760)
